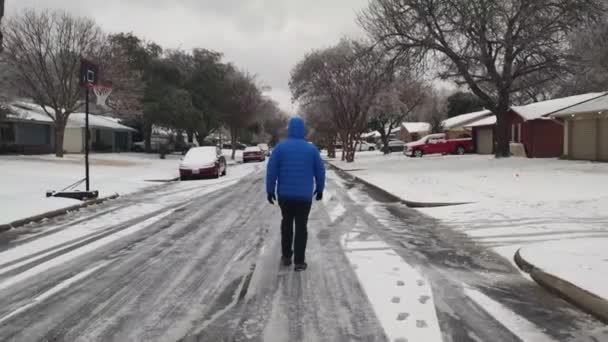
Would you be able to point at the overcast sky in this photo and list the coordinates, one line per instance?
(266, 37)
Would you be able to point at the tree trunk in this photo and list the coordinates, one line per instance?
(384, 138)
(191, 137)
(233, 136)
(59, 135)
(350, 154)
(148, 136)
(503, 149)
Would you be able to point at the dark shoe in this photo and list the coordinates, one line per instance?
(286, 261)
(300, 267)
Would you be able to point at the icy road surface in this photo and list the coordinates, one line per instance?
(199, 261)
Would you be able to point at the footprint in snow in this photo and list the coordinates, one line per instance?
(400, 283)
(421, 324)
(424, 299)
(420, 282)
(396, 269)
(396, 300)
(403, 316)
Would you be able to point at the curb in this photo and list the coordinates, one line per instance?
(162, 180)
(54, 213)
(393, 197)
(579, 297)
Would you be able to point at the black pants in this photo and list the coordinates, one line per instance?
(294, 211)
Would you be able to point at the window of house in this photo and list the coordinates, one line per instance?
(7, 132)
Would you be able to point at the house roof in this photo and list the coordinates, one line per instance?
(487, 121)
(26, 111)
(541, 109)
(417, 127)
(462, 120)
(597, 104)
(77, 120)
(20, 111)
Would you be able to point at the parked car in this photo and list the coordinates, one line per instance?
(396, 146)
(253, 153)
(155, 144)
(438, 144)
(265, 148)
(365, 146)
(202, 162)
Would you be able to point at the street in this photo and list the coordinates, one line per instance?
(199, 261)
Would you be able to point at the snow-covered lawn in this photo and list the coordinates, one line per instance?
(24, 180)
(582, 262)
(514, 202)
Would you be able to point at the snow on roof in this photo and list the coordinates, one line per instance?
(27, 112)
(461, 120)
(374, 134)
(417, 127)
(77, 120)
(540, 109)
(487, 121)
(598, 104)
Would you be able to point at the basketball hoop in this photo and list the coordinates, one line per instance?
(101, 94)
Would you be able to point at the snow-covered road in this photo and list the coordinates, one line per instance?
(199, 261)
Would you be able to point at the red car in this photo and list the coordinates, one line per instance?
(438, 144)
(253, 153)
(202, 162)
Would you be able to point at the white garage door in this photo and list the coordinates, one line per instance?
(485, 140)
(604, 139)
(584, 139)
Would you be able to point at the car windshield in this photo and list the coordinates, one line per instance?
(253, 149)
(201, 155)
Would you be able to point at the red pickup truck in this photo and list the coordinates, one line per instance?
(438, 144)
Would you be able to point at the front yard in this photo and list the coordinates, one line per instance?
(513, 202)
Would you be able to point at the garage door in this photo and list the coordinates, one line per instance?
(604, 139)
(485, 140)
(583, 139)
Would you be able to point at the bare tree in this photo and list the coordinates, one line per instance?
(322, 128)
(495, 47)
(395, 104)
(45, 49)
(348, 78)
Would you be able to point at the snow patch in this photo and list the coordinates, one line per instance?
(399, 294)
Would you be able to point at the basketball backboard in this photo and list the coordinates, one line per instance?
(89, 73)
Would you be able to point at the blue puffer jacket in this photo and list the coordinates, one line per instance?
(296, 166)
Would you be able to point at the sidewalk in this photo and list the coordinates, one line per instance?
(576, 269)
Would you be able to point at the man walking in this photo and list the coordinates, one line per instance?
(295, 172)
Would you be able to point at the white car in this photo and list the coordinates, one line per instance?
(365, 146)
(396, 146)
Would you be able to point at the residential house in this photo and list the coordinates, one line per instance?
(541, 135)
(26, 131)
(107, 134)
(456, 127)
(412, 131)
(532, 126)
(586, 129)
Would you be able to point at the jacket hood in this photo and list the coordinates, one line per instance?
(295, 128)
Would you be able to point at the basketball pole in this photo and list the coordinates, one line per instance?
(87, 138)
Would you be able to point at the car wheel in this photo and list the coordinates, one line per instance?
(460, 151)
(418, 153)
(225, 171)
(372, 149)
